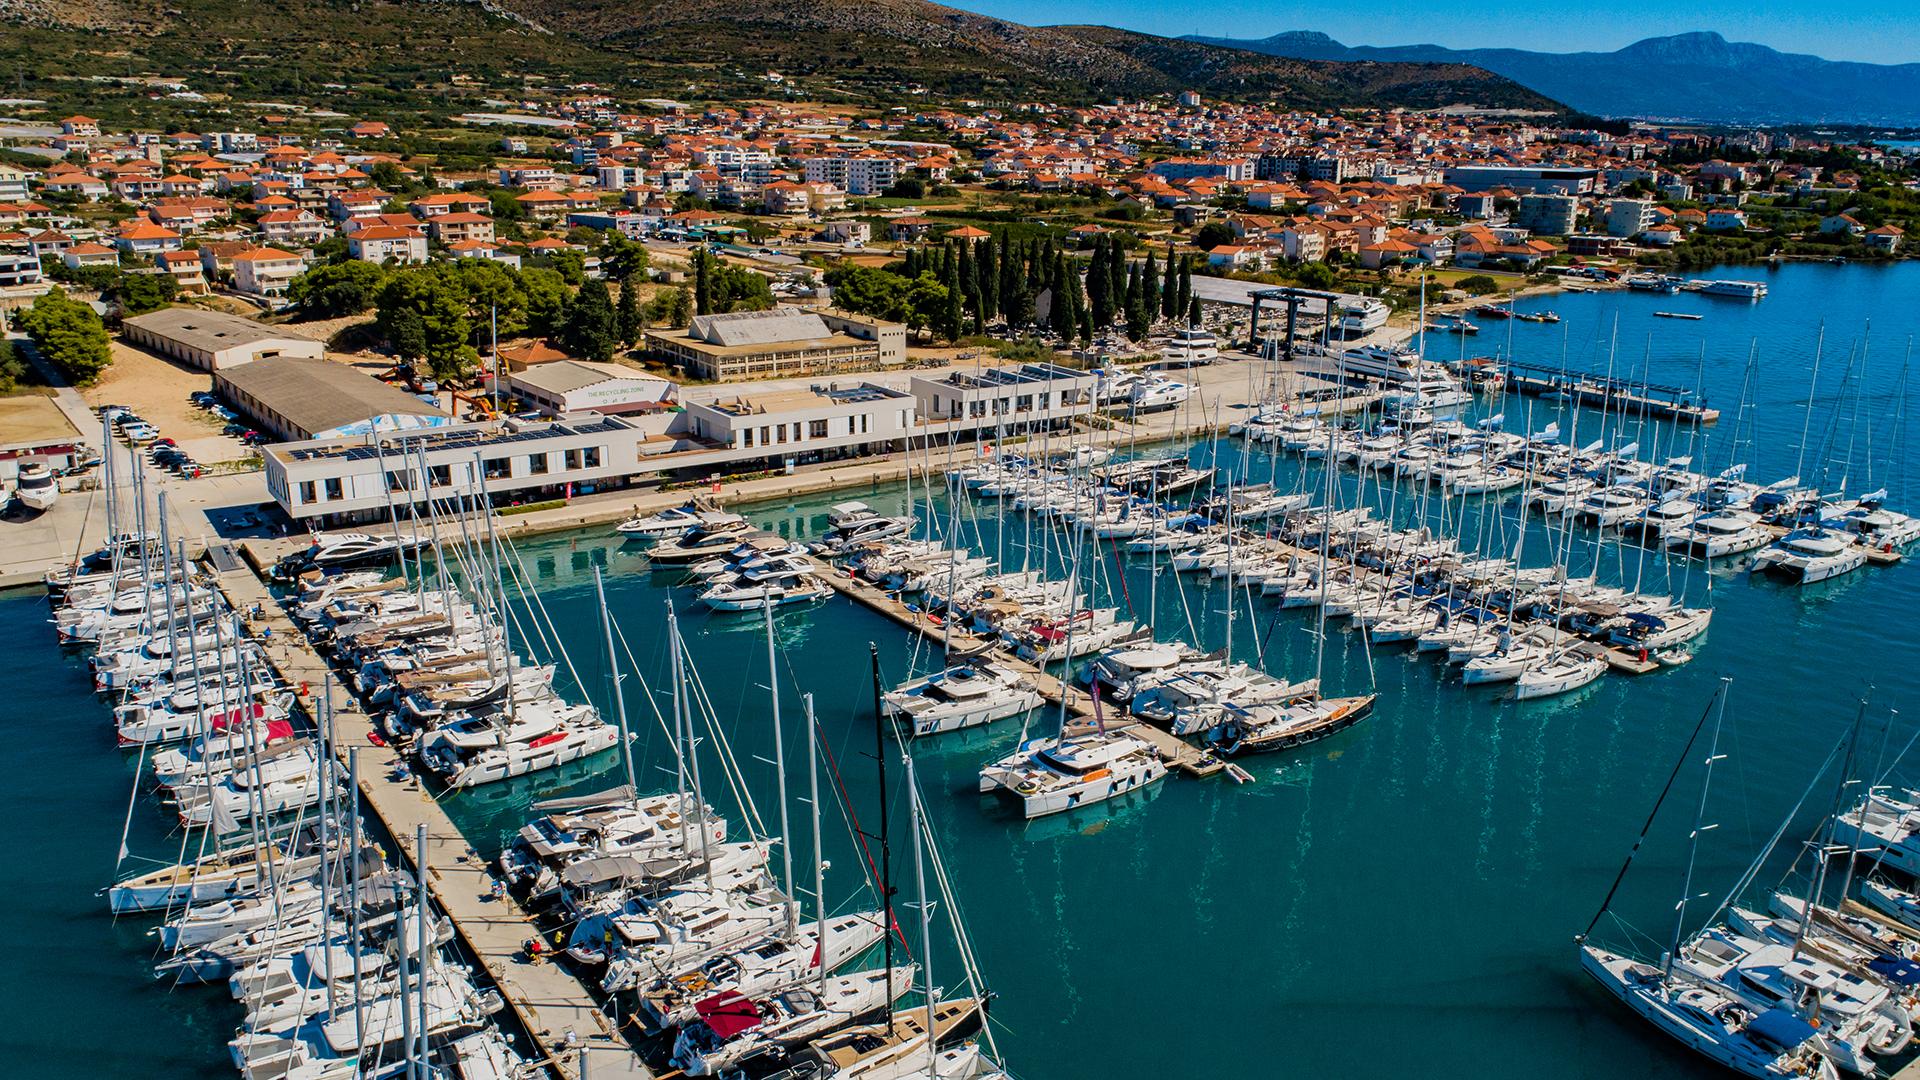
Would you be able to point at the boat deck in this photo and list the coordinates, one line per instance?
(550, 1003)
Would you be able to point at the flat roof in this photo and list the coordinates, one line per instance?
(198, 328)
(320, 395)
(562, 376)
(433, 440)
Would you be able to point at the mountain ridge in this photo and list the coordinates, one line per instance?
(1698, 75)
(882, 49)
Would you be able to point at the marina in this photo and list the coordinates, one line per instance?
(1511, 803)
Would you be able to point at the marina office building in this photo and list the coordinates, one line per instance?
(358, 477)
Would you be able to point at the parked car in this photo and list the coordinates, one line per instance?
(140, 432)
(223, 412)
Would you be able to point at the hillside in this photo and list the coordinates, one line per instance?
(1698, 76)
(367, 51)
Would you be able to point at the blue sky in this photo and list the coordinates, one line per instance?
(1877, 31)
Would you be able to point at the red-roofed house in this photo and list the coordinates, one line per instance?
(266, 271)
(387, 243)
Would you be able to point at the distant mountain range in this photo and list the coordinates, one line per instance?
(1698, 76)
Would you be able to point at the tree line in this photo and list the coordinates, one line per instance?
(957, 288)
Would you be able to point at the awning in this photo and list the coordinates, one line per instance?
(621, 794)
(729, 1014)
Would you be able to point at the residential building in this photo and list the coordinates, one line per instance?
(1726, 218)
(1885, 238)
(1538, 179)
(857, 174)
(1628, 218)
(298, 227)
(388, 243)
(1547, 215)
(18, 268)
(188, 274)
(461, 228)
(13, 184)
(266, 271)
(79, 256)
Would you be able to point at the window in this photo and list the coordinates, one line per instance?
(439, 475)
(863, 423)
(536, 464)
(497, 468)
(590, 457)
(306, 491)
(1025, 403)
(783, 431)
(573, 461)
(400, 481)
(333, 492)
(766, 436)
(748, 433)
(1044, 396)
(817, 429)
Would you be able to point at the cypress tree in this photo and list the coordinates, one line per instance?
(954, 317)
(702, 284)
(1193, 313)
(1170, 289)
(627, 315)
(1186, 299)
(1060, 313)
(969, 285)
(989, 277)
(1097, 309)
(1150, 287)
(1086, 327)
(913, 264)
(1117, 275)
(1013, 274)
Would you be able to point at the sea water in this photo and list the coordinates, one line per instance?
(1399, 899)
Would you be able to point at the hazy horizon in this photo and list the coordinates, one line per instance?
(1874, 31)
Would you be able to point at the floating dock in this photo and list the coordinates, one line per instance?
(566, 1024)
(1175, 751)
(1598, 391)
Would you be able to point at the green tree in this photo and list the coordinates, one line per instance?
(627, 315)
(332, 290)
(1193, 312)
(1316, 275)
(590, 328)
(680, 315)
(547, 296)
(70, 335)
(953, 318)
(1170, 288)
(1212, 235)
(1186, 290)
(426, 314)
(702, 283)
(1150, 288)
(138, 294)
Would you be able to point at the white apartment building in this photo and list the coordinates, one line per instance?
(855, 174)
(1629, 217)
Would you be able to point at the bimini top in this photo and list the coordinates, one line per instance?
(1781, 1028)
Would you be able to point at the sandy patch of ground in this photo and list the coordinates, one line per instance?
(157, 390)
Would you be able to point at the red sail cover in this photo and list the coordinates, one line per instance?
(729, 1014)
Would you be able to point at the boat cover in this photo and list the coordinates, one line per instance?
(1781, 1028)
(729, 1014)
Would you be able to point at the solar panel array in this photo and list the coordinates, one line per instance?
(462, 440)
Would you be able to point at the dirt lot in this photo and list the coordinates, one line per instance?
(33, 418)
(157, 389)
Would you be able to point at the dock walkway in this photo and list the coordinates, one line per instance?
(549, 1001)
(1175, 751)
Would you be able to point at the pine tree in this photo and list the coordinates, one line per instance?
(1170, 289)
(702, 284)
(627, 317)
(589, 328)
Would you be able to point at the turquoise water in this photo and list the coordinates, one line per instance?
(1398, 899)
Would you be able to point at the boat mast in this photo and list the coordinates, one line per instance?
(679, 747)
(1693, 838)
(886, 852)
(819, 858)
(780, 771)
(684, 712)
(613, 671)
(926, 917)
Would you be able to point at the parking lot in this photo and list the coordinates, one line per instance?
(158, 391)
